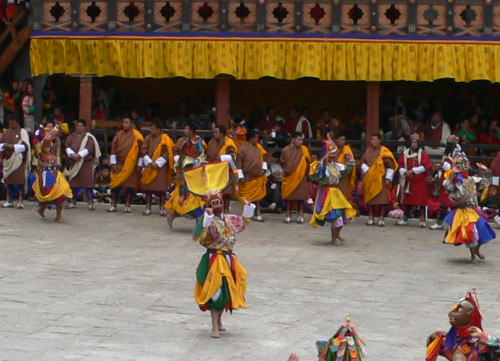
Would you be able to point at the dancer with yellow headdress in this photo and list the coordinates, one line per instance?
(220, 277)
(189, 152)
(468, 225)
(331, 205)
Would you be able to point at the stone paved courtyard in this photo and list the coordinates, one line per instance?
(115, 287)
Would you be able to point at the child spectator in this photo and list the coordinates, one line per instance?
(102, 188)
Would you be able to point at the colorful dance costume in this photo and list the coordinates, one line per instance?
(50, 184)
(458, 345)
(468, 224)
(345, 345)
(221, 280)
(189, 154)
(331, 205)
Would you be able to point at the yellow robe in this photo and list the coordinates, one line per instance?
(130, 165)
(342, 159)
(374, 178)
(150, 173)
(256, 189)
(292, 181)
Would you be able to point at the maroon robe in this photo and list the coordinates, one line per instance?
(12, 137)
(250, 161)
(161, 182)
(419, 190)
(370, 156)
(121, 147)
(85, 177)
(290, 160)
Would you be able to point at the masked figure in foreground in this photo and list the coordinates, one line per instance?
(465, 341)
(221, 280)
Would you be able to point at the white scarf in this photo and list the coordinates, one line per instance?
(16, 160)
(75, 169)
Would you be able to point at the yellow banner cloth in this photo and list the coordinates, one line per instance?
(209, 177)
(255, 58)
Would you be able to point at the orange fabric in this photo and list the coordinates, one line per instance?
(239, 136)
(228, 143)
(374, 178)
(150, 173)
(254, 190)
(262, 151)
(130, 163)
(342, 159)
(292, 181)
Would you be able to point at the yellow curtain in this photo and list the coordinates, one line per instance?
(325, 59)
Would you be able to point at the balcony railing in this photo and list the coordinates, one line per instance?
(382, 17)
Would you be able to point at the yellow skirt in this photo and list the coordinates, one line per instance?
(186, 206)
(221, 282)
(254, 190)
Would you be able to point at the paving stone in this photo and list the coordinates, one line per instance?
(102, 287)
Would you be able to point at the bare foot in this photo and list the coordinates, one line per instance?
(342, 239)
(337, 242)
(479, 254)
(215, 333)
(41, 212)
(170, 220)
(293, 357)
(57, 219)
(474, 260)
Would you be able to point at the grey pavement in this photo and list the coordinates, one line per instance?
(116, 287)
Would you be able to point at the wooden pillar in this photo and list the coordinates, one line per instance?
(372, 108)
(223, 101)
(85, 111)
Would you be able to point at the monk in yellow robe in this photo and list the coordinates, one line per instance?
(220, 144)
(252, 172)
(347, 184)
(158, 173)
(378, 166)
(295, 159)
(126, 162)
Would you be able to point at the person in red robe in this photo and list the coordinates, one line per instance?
(414, 163)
